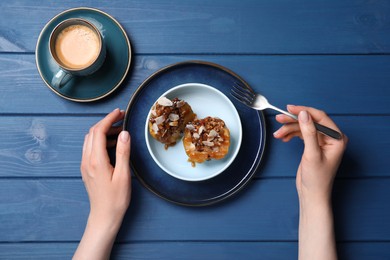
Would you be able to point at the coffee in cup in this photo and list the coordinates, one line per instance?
(78, 48)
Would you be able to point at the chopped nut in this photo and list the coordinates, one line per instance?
(173, 117)
(207, 143)
(154, 113)
(201, 129)
(174, 123)
(159, 120)
(192, 147)
(213, 134)
(155, 128)
(190, 127)
(163, 101)
(180, 103)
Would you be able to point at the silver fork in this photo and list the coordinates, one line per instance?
(256, 101)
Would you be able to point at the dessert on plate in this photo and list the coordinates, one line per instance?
(206, 139)
(168, 119)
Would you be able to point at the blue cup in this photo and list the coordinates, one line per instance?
(78, 48)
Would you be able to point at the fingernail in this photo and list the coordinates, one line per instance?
(116, 109)
(303, 116)
(289, 107)
(276, 133)
(124, 136)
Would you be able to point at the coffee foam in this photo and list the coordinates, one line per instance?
(77, 46)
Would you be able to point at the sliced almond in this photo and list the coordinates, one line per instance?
(208, 143)
(213, 134)
(201, 129)
(190, 127)
(173, 117)
(180, 103)
(163, 101)
(153, 112)
(159, 120)
(155, 128)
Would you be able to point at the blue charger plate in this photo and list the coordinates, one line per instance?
(108, 78)
(188, 193)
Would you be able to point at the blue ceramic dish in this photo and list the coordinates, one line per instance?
(189, 193)
(108, 78)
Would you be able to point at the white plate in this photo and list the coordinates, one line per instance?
(204, 101)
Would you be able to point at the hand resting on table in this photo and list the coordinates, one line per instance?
(108, 187)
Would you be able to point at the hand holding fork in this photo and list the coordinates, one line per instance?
(259, 102)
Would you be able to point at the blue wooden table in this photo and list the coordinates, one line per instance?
(333, 55)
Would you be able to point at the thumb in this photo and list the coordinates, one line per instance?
(123, 153)
(309, 134)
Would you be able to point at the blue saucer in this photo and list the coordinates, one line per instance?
(108, 78)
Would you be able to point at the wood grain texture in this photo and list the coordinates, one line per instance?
(222, 26)
(267, 210)
(193, 250)
(50, 146)
(42, 146)
(333, 55)
(337, 84)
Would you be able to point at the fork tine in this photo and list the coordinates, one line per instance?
(240, 98)
(242, 94)
(243, 88)
(242, 91)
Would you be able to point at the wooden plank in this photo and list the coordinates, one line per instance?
(50, 146)
(220, 26)
(365, 155)
(38, 210)
(193, 250)
(41, 134)
(337, 84)
(42, 146)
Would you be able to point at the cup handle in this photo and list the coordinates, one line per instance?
(60, 79)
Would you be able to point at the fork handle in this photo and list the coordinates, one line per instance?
(328, 131)
(320, 128)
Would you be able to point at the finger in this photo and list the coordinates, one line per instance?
(100, 131)
(284, 119)
(88, 146)
(122, 163)
(309, 133)
(84, 158)
(288, 137)
(106, 123)
(287, 129)
(85, 144)
(318, 116)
